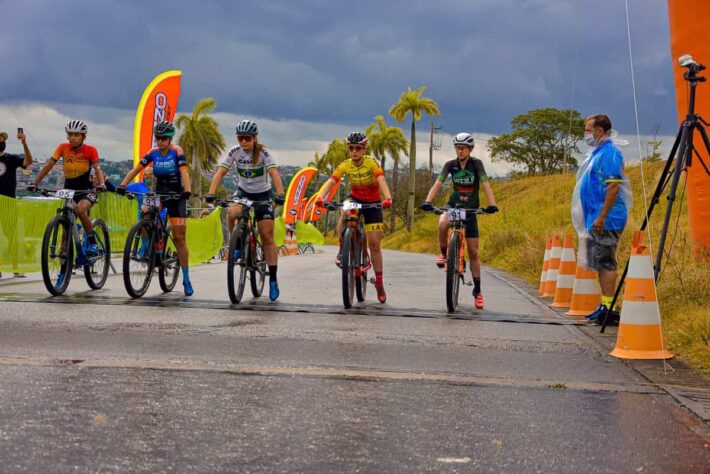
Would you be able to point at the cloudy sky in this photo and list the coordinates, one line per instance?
(309, 70)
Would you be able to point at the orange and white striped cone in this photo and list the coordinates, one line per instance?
(553, 267)
(586, 294)
(545, 263)
(292, 243)
(565, 276)
(640, 335)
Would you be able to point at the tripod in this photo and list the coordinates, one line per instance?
(682, 154)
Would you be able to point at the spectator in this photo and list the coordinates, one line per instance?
(8, 182)
(602, 190)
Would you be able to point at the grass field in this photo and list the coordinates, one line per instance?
(536, 207)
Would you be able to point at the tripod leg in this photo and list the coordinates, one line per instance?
(706, 141)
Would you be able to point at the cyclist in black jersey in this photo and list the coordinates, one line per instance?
(468, 176)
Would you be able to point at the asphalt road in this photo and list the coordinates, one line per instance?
(95, 382)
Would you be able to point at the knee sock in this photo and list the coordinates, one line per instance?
(476, 285)
(606, 301)
(272, 273)
(185, 273)
(378, 278)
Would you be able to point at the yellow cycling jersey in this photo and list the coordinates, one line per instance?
(362, 178)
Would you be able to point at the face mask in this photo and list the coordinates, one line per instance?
(148, 182)
(2, 146)
(589, 139)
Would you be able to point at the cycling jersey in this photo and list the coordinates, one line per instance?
(166, 168)
(77, 164)
(253, 178)
(362, 178)
(467, 181)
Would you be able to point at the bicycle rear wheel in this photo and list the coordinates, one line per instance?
(237, 263)
(453, 277)
(360, 272)
(96, 272)
(169, 267)
(57, 255)
(347, 261)
(258, 274)
(139, 258)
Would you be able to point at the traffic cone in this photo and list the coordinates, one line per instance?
(553, 267)
(545, 263)
(586, 295)
(565, 277)
(640, 334)
(291, 243)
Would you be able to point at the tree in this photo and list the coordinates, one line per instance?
(336, 153)
(411, 102)
(385, 140)
(319, 162)
(542, 140)
(653, 146)
(201, 140)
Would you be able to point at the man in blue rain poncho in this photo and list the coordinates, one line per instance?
(600, 205)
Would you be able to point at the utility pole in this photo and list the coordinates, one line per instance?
(434, 144)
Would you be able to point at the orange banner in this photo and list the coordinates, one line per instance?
(158, 104)
(690, 34)
(319, 211)
(296, 193)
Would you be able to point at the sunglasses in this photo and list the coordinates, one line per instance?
(160, 139)
(461, 148)
(244, 138)
(355, 147)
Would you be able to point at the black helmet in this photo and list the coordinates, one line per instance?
(164, 129)
(247, 127)
(357, 138)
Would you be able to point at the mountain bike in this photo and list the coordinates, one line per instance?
(354, 257)
(150, 245)
(455, 267)
(246, 253)
(63, 237)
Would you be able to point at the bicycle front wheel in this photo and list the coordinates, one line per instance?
(57, 255)
(96, 272)
(347, 263)
(258, 274)
(360, 272)
(139, 258)
(170, 266)
(237, 264)
(453, 277)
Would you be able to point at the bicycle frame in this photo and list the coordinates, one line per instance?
(68, 210)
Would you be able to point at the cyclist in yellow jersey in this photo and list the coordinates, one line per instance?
(367, 181)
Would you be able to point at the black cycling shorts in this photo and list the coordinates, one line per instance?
(374, 218)
(177, 208)
(471, 225)
(260, 212)
(91, 197)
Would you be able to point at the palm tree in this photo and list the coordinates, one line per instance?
(411, 102)
(385, 140)
(319, 162)
(337, 153)
(201, 140)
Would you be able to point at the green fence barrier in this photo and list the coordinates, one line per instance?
(304, 233)
(22, 225)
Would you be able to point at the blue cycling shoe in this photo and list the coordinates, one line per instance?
(273, 290)
(188, 287)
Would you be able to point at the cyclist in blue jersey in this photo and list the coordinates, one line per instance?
(171, 177)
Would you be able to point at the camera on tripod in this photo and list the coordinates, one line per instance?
(693, 68)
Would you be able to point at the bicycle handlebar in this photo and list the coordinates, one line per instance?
(444, 210)
(243, 202)
(134, 194)
(332, 205)
(47, 192)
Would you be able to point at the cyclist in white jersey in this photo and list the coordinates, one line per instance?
(257, 170)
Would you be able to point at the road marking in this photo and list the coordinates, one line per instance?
(331, 373)
(465, 460)
(366, 310)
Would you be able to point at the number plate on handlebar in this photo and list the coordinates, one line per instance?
(153, 201)
(65, 193)
(244, 202)
(349, 206)
(457, 214)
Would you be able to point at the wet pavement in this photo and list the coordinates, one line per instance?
(98, 384)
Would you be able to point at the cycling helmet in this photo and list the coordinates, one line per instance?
(357, 138)
(164, 129)
(76, 126)
(464, 138)
(247, 127)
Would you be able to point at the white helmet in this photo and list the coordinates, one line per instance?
(464, 138)
(76, 126)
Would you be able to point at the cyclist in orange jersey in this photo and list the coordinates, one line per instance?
(367, 181)
(78, 160)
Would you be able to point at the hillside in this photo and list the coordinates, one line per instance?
(535, 207)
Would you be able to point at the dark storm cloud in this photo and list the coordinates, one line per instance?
(483, 61)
